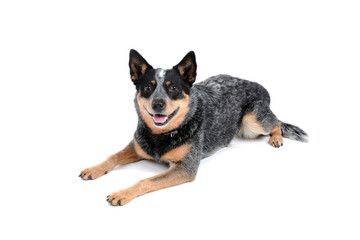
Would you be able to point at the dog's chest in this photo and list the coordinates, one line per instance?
(157, 147)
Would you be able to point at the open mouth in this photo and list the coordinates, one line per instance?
(161, 119)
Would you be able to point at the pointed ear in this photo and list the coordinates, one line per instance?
(187, 67)
(138, 65)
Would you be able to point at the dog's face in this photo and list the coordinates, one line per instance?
(162, 95)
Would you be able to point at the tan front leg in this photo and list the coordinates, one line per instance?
(172, 177)
(128, 155)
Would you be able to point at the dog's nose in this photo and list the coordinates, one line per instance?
(158, 105)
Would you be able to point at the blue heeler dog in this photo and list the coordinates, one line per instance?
(181, 122)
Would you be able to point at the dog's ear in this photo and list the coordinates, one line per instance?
(138, 65)
(187, 67)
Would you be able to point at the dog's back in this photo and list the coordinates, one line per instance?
(225, 100)
(181, 122)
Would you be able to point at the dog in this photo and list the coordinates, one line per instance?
(180, 123)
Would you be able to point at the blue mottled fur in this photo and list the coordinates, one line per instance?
(222, 101)
(217, 109)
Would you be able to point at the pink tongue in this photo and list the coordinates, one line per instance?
(158, 118)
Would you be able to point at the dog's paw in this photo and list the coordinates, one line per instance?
(92, 173)
(119, 198)
(276, 141)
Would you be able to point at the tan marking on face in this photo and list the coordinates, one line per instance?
(171, 106)
(178, 119)
(143, 102)
(140, 152)
(153, 82)
(167, 83)
(251, 127)
(176, 154)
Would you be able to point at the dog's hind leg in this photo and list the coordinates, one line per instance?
(276, 139)
(127, 155)
(260, 120)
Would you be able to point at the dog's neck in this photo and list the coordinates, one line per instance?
(172, 133)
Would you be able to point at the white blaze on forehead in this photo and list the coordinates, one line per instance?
(162, 73)
(159, 92)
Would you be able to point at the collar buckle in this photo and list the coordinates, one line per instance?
(172, 134)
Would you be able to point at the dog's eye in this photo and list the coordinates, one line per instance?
(173, 88)
(147, 88)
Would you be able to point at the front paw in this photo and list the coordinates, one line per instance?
(119, 198)
(92, 173)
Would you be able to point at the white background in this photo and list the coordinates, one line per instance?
(67, 103)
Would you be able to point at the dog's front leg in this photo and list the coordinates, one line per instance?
(178, 173)
(127, 155)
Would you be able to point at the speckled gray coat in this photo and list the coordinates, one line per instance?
(194, 121)
(217, 106)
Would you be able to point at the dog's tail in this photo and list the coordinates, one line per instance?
(293, 132)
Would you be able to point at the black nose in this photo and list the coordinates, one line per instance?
(158, 105)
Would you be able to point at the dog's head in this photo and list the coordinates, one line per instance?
(162, 95)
